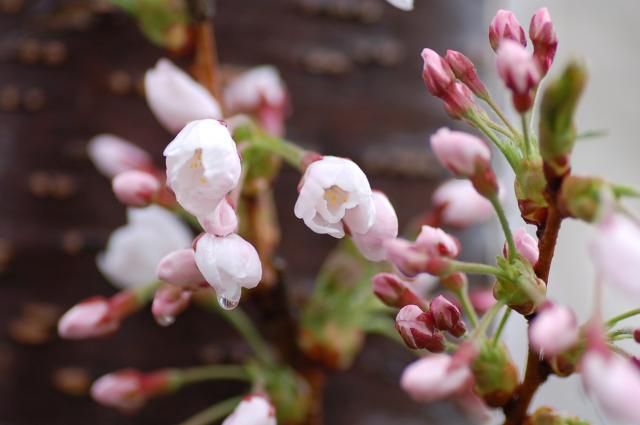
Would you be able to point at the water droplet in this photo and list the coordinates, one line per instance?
(227, 303)
(165, 320)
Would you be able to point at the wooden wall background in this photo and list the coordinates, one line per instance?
(69, 70)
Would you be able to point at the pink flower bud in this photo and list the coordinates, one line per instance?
(636, 335)
(88, 319)
(526, 245)
(222, 221)
(554, 330)
(454, 282)
(385, 227)
(614, 382)
(505, 26)
(169, 301)
(405, 256)
(615, 250)
(466, 72)
(436, 73)
(544, 39)
(395, 292)
(462, 153)
(113, 155)
(458, 101)
(135, 188)
(519, 71)
(437, 243)
(179, 268)
(446, 316)
(417, 329)
(460, 205)
(482, 299)
(435, 378)
(122, 390)
(254, 409)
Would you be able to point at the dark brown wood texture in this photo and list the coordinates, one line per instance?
(356, 91)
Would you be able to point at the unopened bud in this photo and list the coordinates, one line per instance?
(447, 317)
(557, 110)
(435, 242)
(135, 188)
(458, 101)
(522, 290)
(222, 221)
(519, 71)
(526, 245)
(586, 198)
(466, 72)
(168, 302)
(179, 268)
(88, 319)
(395, 292)
(128, 389)
(454, 282)
(548, 416)
(505, 26)
(418, 330)
(436, 73)
(496, 376)
(405, 256)
(544, 39)
(463, 154)
(113, 155)
(554, 330)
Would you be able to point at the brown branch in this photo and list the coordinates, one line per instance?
(205, 66)
(538, 370)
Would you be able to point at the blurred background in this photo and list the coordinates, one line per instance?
(73, 69)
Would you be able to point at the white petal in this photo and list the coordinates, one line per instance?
(402, 4)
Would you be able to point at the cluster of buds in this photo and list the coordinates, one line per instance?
(520, 70)
(423, 329)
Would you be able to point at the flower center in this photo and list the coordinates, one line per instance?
(335, 197)
(196, 164)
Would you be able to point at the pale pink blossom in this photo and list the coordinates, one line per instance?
(615, 250)
(526, 245)
(122, 390)
(554, 330)
(385, 227)
(614, 382)
(175, 98)
(202, 166)
(436, 73)
(254, 409)
(406, 256)
(228, 264)
(222, 221)
(135, 188)
(466, 72)
(134, 250)
(460, 205)
(505, 26)
(544, 39)
(402, 4)
(462, 153)
(335, 192)
(517, 68)
(113, 155)
(179, 268)
(259, 91)
(168, 302)
(435, 377)
(436, 242)
(88, 319)
(418, 330)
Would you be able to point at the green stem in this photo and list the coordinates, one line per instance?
(463, 296)
(243, 324)
(503, 322)
(487, 319)
(505, 226)
(474, 268)
(145, 293)
(528, 143)
(500, 129)
(506, 148)
(183, 377)
(213, 413)
(611, 322)
(495, 108)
